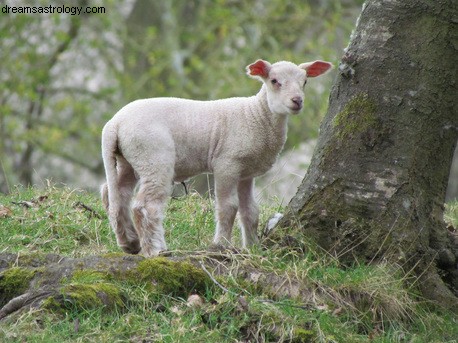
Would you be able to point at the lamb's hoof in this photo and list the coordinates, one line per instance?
(132, 248)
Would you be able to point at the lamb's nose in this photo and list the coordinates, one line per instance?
(298, 101)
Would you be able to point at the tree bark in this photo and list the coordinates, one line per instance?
(376, 185)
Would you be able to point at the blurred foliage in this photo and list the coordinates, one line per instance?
(51, 105)
(63, 76)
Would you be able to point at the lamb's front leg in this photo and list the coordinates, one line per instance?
(226, 207)
(249, 212)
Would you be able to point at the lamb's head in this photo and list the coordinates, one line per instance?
(285, 81)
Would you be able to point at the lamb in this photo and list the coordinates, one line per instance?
(151, 143)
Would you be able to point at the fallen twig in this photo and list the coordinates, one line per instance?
(91, 211)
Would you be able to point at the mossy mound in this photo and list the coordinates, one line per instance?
(178, 279)
(13, 282)
(88, 289)
(89, 296)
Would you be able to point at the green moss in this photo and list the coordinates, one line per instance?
(90, 276)
(89, 289)
(90, 296)
(301, 335)
(114, 255)
(51, 304)
(357, 117)
(13, 282)
(171, 278)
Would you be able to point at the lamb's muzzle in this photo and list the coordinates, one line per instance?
(151, 143)
(297, 103)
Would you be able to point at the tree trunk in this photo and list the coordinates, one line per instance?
(376, 185)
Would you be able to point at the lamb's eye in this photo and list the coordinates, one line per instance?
(274, 81)
(305, 82)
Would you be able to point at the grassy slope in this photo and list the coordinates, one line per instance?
(362, 304)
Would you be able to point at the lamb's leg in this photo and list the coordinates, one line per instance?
(129, 241)
(126, 235)
(249, 212)
(226, 208)
(148, 212)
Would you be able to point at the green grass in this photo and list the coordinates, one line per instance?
(451, 213)
(358, 304)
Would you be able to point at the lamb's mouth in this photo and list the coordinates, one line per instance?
(295, 109)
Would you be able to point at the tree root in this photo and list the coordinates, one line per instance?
(54, 286)
(25, 301)
(52, 273)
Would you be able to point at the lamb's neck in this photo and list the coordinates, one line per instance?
(276, 122)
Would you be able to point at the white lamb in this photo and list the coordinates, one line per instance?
(155, 142)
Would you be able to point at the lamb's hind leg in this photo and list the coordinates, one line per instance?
(148, 211)
(126, 235)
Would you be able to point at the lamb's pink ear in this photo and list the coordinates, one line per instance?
(316, 68)
(260, 68)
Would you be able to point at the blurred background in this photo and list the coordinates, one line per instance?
(63, 76)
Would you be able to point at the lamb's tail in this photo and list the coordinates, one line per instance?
(110, 191)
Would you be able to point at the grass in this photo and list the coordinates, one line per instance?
(451, 213)
(359, 304)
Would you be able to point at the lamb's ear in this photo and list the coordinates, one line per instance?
(259, 69)
(316, 68)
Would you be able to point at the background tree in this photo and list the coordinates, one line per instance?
(376, 186)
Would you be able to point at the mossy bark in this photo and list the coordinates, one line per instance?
(377, 181)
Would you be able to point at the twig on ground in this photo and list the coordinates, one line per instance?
(214, 280)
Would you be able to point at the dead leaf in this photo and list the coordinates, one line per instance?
(194, 300)
(5, 212)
